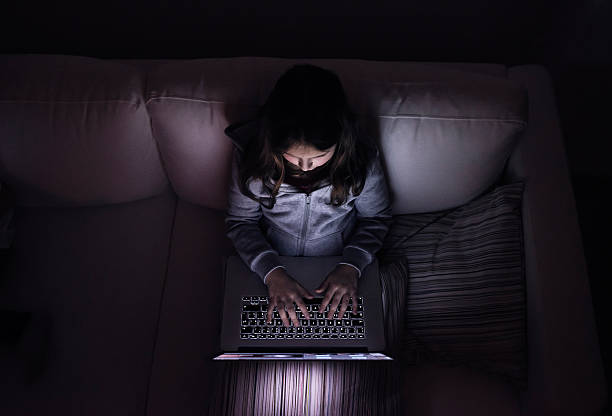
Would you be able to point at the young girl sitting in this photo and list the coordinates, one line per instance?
(306, 182)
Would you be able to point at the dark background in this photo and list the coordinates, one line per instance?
(572, 39)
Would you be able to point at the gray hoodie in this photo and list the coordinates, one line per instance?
(302, 224)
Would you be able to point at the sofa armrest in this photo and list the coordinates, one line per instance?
(565, 372)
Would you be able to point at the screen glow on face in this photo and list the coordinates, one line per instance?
(308, 157)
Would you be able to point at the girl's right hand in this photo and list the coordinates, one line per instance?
(283, 290)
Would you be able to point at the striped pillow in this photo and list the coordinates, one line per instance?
(453, 285)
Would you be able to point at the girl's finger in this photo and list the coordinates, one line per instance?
(334, 305)
(323, 287)
(283, 315)
(270, 311)
(343, 308)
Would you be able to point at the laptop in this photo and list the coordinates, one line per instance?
(245, 334)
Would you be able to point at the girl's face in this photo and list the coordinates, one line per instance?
(307, 157)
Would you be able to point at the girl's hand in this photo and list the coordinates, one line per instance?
(340, 283)
(283, 290)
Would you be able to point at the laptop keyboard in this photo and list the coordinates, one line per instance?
(254, 326)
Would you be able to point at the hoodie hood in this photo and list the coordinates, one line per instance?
(241, 132)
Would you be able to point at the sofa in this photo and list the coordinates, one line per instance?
(111, 285)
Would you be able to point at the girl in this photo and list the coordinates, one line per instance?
(305, 182)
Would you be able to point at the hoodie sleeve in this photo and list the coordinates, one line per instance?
(242, 227)
(374, 218)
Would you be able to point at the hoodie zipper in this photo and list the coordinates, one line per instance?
(304, 224)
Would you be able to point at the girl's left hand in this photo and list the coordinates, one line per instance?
(340, 283)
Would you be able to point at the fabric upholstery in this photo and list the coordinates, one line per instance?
(183, 374)
(445, 138)
(434, 389)
(556, 271)
(91, 279)
(75, 131)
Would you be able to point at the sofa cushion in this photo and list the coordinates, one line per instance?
(434, 389)
(453, 283)
(445, 133)
(184, 374)
(91, 279)
(75, 131)
(445, 136)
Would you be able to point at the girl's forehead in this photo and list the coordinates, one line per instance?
(306, 150)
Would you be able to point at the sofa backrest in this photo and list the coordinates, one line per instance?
(445, 134)
(86, 131)
(75, 131)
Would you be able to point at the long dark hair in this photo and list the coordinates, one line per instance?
(307, 106)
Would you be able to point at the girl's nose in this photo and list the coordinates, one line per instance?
(306, 168)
